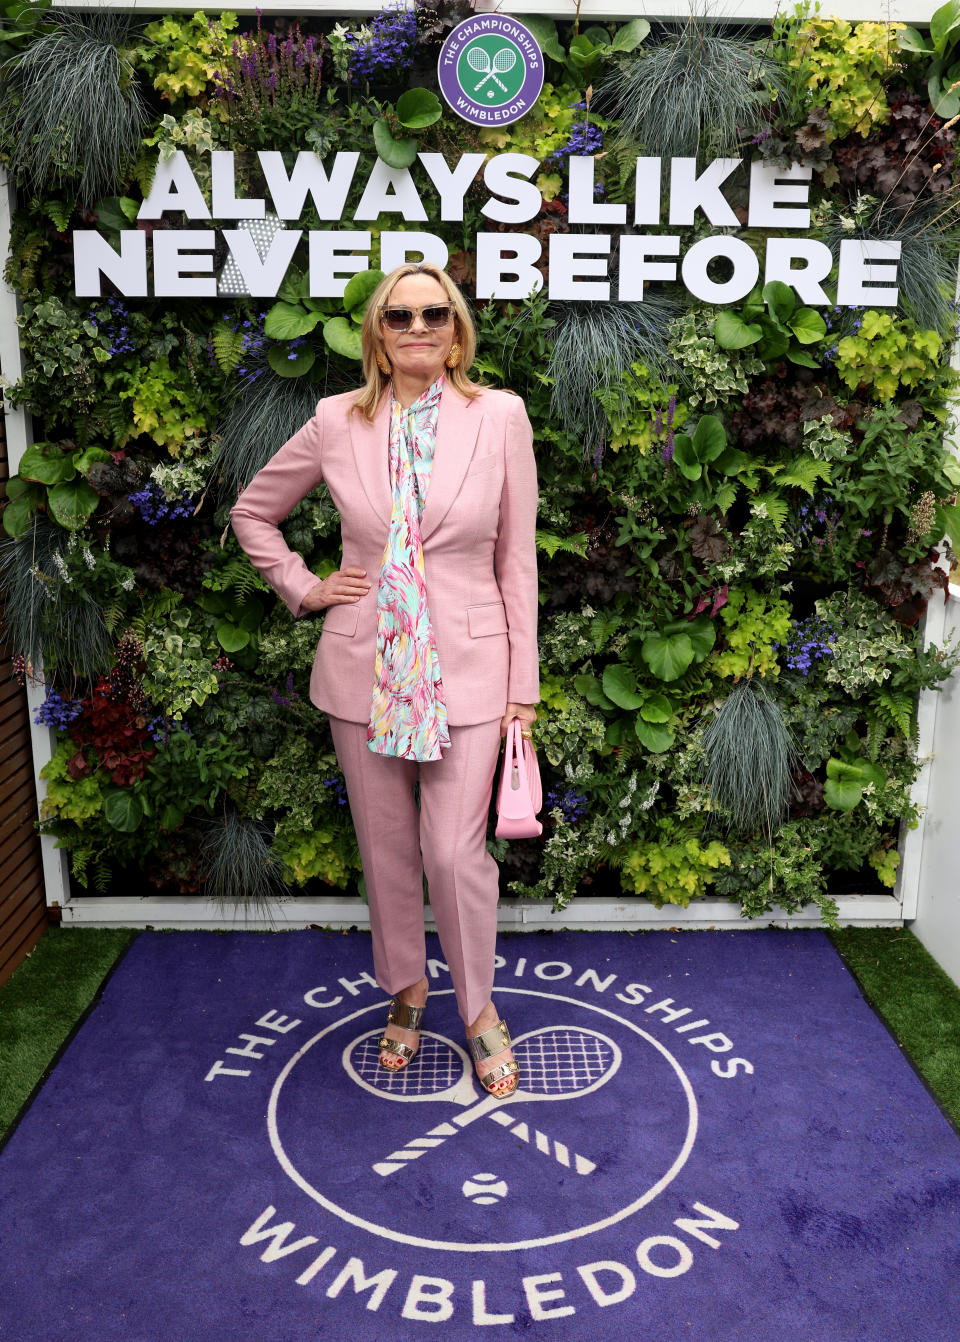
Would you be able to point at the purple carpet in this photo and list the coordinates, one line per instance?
(716, 1138)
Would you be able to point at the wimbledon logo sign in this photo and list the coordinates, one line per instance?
(491, 70)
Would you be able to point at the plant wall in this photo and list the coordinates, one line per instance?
(741, 508)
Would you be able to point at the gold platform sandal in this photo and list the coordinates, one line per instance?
(406, 1018)
(485, 1045)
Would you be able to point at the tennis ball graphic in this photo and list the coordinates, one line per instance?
(485, 1189)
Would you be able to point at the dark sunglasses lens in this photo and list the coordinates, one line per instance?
(397, 319)
(436, 317)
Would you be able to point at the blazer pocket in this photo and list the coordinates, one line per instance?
(342, 618)
(488, 618)
(484, 464)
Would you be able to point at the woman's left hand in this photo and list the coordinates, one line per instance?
(525, 712)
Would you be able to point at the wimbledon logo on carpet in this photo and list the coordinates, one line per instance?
(565, 1195)
(490, 70)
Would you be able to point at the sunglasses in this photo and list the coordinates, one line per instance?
(435, 317)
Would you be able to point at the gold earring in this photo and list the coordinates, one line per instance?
(453, 358)
(383, 364)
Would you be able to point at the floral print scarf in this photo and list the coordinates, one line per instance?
(408, 715)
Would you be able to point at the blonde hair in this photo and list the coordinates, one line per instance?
(375, 380)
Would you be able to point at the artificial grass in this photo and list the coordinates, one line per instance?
(919, 1002)
(44, 1000)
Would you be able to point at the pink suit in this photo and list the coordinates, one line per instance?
(480, 565)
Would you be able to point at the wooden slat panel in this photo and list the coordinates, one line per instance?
(23, 912)
(12, 716)
(12, 768)
(14, 847)
(15, 951)
(17, 900)
(15, 741)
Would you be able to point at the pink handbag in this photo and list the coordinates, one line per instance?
(520, 795)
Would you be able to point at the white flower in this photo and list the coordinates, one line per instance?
(88, 558)
(60, 565)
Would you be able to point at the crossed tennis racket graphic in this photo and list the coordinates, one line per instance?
(503, 60)
(556, 1063)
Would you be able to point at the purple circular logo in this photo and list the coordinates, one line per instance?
(490, 70)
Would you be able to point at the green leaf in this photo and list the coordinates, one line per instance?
(360, 289)
(667, 656)
(730, 331)
(948, 523)
(702, 633)
(656, 708)
(343, 338)
(17, 515)
(291, 290)
(710, 438)
(656, 739)
(171, 818)
(592, 691)
(775, 342)
(801, 357)
(395, 153)
(842, 795)
(72, 504)
(122, 810)
(944, 21)
(230, 637)
(47, 464)
(286, 365)
(418, 108)
(89, 458)
(251, 615)
(583, 56)
(685, 457)
(620, 685)
(808, 326)
(629, 37)
(731, 461)
(545, 31)
(114, 213)
(911, 40)
(285, 321)
(780, 300)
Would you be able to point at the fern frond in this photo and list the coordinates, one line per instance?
(113, 612)
(227, 348)
(896, 708)
(804, 472)
(59, 211)
(551, 543)
(777, 508)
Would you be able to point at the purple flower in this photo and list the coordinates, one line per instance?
(153, 505)
(812, 641)
(339, 789)
(57, 712)
(573, 804)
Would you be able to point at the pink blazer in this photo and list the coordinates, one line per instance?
(479, 549)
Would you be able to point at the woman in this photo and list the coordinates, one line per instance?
(429, 643)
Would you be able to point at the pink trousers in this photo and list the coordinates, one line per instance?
(445, 838)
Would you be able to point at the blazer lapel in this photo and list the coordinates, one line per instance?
(371, 454)
(458, 424)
